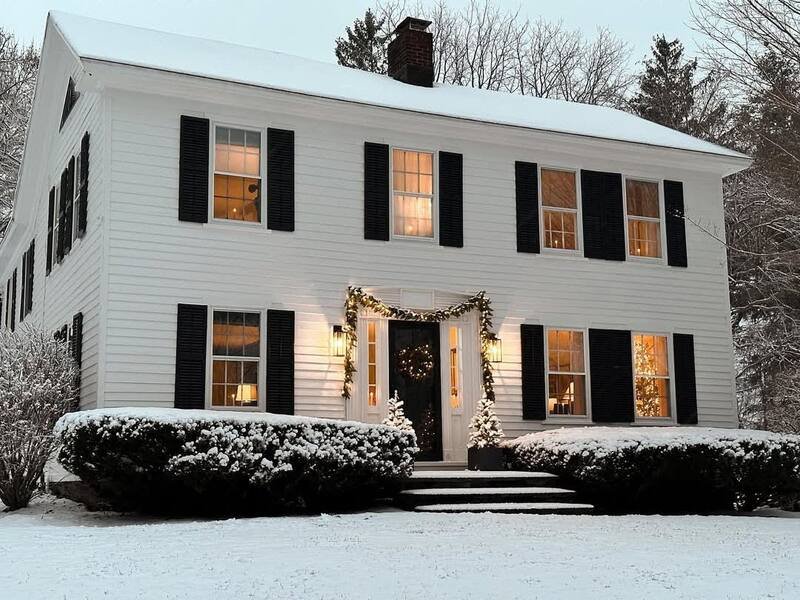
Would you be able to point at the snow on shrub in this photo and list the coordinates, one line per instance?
(190, 461)
(37, 386)
(668, 469)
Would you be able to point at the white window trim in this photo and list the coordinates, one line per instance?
(578, 251)
(262, 130)
(434, 196)
(671, 419)
(568, 418)
(661, 220)
(262, 359)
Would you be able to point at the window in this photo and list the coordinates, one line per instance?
(57, 216)
(644, 224)
(566, 373)
(237, 175)
(651, 374)
(76, 196)
(455, 367)
(372, 364)
(412, 184)
(559, 209)
(70, 99)
(236, 341)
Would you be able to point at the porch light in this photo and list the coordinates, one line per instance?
(338, 340)
(495, 350)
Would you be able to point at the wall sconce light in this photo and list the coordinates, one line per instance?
(495, 350)
(338, 340)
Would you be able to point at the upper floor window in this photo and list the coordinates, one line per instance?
(236, 342)
(237, 174)
(70, 99)
(566, 372)
(58, 217)
(651, 375)
(559, 209)
(644, 218)
(412, 185)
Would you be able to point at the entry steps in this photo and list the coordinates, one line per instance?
(489, 491)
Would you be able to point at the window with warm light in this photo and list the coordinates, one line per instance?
(644, 218)
(372, 364)
(455, 367)
(651, 374)
(237, 174)
(566, 373)
(559, 209)
(412, 185)
(236, 342)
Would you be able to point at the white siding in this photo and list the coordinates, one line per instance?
(155, 261)
(74, 285)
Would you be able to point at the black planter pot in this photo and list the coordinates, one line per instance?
(486, 459)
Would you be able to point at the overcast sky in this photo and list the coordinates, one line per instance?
(309, 27)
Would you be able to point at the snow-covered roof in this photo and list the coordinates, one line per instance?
(117, 43)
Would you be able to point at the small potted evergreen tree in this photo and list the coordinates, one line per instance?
(395, 416)
(484, 452)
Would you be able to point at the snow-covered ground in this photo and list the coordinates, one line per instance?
(56, 550)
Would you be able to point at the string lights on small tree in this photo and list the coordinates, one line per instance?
(358, 298)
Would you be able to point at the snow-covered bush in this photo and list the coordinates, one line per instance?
(196, 461)
(668, 469)
(485, 429)
(37, 386)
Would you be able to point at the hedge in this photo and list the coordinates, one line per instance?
(195, 461)
(667, 469)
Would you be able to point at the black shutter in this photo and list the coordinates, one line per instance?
(280, 361)
(83, 197)
(62, 215)
(534, 390)
(451, 199)
(24, 287)
(611, 367)
(603, 215)
(76, 350)
(51, 207)
(190, 356)
(31, 262)
(14, 300)
(193, 170)
(526, 176)
(676, 226)
(685, 385)
(376, 191)
(280, 179)
(70, 194)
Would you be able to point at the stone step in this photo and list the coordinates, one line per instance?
(531, 508)
(472, 479)
(478, 495)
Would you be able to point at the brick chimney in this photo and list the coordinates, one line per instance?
(411, 53)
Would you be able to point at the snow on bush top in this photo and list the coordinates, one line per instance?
(613, 439)
(182, 416)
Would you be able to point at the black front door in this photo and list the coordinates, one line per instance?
(414, 373)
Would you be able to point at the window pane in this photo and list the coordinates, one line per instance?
(567, 394)
(252, 334)
(237, 198)
(558, 189)
(250, 372)
(237, 151)
(652, 397)
(644, 238)
(219, 371)
(218, 395)
(559, 229)
(220, 333)
(642, 198)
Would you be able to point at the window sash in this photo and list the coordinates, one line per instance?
(555, 373)
(260, 205)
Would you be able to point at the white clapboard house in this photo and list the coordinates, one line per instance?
(192, 215)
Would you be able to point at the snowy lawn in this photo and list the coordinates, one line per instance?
(55, 550)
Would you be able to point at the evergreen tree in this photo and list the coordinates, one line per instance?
(396, 417)
(485, 429)
(669, 95)
(365, 45)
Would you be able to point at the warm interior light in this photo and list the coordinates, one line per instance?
(246, 393)
(495, 350)
(337, 341)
